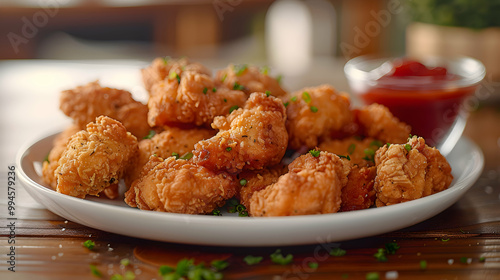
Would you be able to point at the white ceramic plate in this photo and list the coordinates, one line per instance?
(115, 216)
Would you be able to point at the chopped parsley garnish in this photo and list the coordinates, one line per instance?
(176, 155)
(463, 260)
(214, 89)
(293, 99)
(150, 134)
(315, 153)
(251, 260)
(313, 265)
(174, 75)
(313, 109)
(407, 147)
(46, 158)
(351, 148)
(369, 155)
(306, 97)
(268, 93)
(239, 69)
(337, 252)
(411, 136)
(278, 258)
(95, 271)
(166, 59)
(346, 157)
(264, 70)
(380, 255)
(391, 248)
(243, 182)
(234, 107)
(445, 240)
(165, 269)
(388, 145)
(286, 104)
(125, 262)
(187, 156)
(219, 264)
(205, 90)
(279, 78)
(225, 100)
(229, 149)
(423, 264)
(242, 210)
(237, 86)
(376, 143)
(116, 277)
(372, 276)
(89, 244)
(216, 212)
(223, 78)
(482, 259)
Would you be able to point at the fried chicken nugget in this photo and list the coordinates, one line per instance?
(95, 158)
(252, 137)
(249, 79)
(360, 151)
(312, 186)
(85, 103)
(50, 165)
(409, 171)
(359, 193)
(378, 122)
(163, 144)
(256, 180)
(315, 113)
(162, 67)
(180, 186)
(193, 99)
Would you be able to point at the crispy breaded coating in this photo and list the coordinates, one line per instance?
(50, 165)
(315, 113)
(180, 186)
(358, 193)
(252, 137)
(163, 144)
(162, 67)
(95, 158)
(409, 171)
(85, 103)
(257, 180)
(378, 122)
(193, 99)
(312, 186)
(360, 151)
(250, 79)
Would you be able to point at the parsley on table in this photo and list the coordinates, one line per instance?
(315, 153)
(95, 271)
(89, 244)
(278, 258)
(391, 248)
(380, 255)
(337, 252)
(251, 260)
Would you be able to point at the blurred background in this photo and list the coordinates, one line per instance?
(289, 35)
(305, 41)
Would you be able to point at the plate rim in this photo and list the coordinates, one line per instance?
(466, 180)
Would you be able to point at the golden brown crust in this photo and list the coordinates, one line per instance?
(315, 113)
(192, 101)
(163, 144)
(95, 158)
(59, 145)
(409, 171)
(251, 78)
(312, 186)
(378, 122)
(252, 137)
(257, 180)
(85, 103)
(180, 186)
(360, 151)
(161, 67)
(358, 193)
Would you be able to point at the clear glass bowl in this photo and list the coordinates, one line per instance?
(435, 108)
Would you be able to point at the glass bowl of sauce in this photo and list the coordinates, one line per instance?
(428, 94)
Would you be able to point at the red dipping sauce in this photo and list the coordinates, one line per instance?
(428, 97)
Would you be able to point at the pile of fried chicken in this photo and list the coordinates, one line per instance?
(204, 139)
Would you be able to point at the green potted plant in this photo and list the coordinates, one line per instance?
(455, 27)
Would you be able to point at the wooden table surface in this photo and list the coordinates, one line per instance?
(462, 242)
